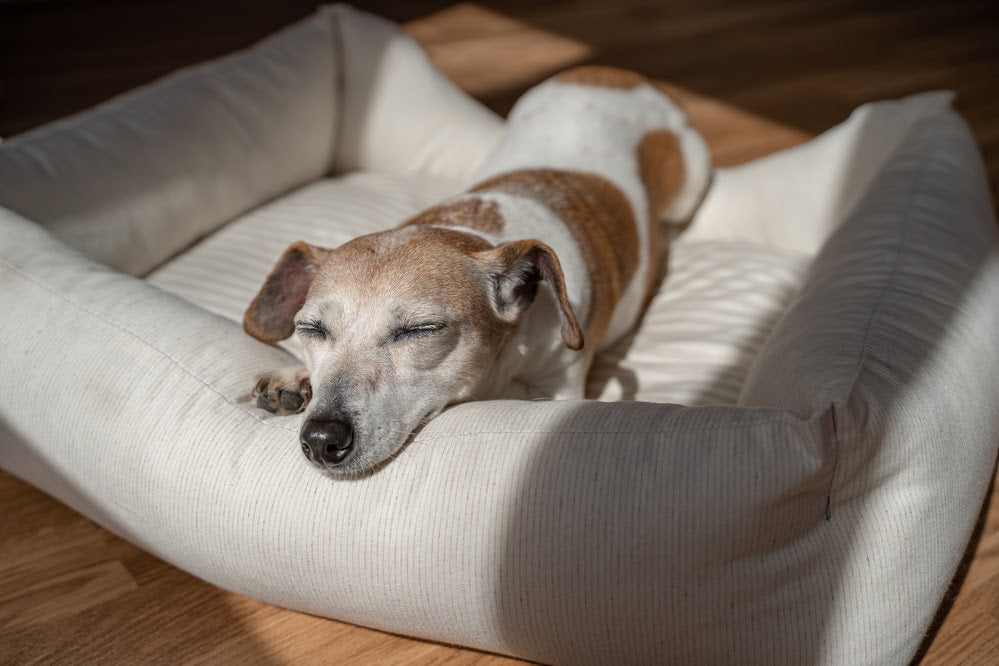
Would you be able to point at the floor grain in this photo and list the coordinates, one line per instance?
(758, 77)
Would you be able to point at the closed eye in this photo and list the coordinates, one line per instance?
(417, 331)
(312, 329)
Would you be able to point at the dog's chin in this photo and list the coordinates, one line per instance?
(353, 469)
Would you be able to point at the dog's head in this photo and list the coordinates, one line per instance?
(396, 326)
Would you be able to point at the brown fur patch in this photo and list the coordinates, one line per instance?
(660, 165)
(601, 222)
(470, 213)
(605, 77)
(269, 317)
(507, 263)
(405, 261)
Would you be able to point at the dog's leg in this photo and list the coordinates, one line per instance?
(284, 391)
(566, 383)
(571, 382)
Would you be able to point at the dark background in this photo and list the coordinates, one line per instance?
(806, 64)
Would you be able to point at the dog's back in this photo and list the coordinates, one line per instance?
(616, 156)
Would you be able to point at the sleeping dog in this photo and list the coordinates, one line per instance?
(507, 290)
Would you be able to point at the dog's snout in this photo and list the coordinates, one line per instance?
(327, 441)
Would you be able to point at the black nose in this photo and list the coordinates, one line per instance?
(327, 440)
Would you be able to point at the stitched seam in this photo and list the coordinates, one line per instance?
(888, 287)
(778, 418)
(889, 284)
(176, 362)
(835, 462)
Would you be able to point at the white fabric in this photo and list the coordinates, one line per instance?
(704, 327)
(216, 139)
(700, 333)
(341, 89)
(574, 531)
(820, 180)
(399, 112)
(224, 272)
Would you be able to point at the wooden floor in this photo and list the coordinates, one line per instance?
(757, 77)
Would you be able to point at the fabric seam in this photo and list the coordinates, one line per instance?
(888, 287)
(889, 284)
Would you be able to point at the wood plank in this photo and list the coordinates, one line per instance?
(968, 631)
(756, 78)
(968, 637)
(63, 595)
(179, 619)
(529, 54)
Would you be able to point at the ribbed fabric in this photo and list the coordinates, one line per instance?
(821, 180)
(223, 272)
(339, 90)
(702, 330)
(704, 327)
(817, 522)
(207, 134)
(900, 306)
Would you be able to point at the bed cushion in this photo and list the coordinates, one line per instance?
(718, 302)
(146, 174)
(819, 520)
(205, 134)
(223, 272)
(703, 327)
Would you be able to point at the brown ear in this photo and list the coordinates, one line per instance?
(515, 269)
(271, 315)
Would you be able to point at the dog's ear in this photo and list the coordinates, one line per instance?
(271, 315)
(515, 269)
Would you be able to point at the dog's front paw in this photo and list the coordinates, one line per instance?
(284, 391)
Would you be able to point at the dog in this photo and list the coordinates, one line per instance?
(493, 293)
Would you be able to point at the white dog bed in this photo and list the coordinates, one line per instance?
(827, 330)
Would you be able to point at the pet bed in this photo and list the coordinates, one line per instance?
(782, 466)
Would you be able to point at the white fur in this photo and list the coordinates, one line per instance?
(597, 130)
(377, 389)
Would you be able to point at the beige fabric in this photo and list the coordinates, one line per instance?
(894, 332)
(719, 300)
(703, 328)
(399, 113)
(223, 273)
(821, 181)
(818, 522)
(219, 139)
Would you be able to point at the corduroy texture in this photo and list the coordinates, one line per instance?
(208, 138)
(701, 331)
(895, 330)
(820, 522)
(821, 181)
(223, 272)
(561, 531)
(341, 89)
(704, 326)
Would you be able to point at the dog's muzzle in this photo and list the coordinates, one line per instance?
(327, 441)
